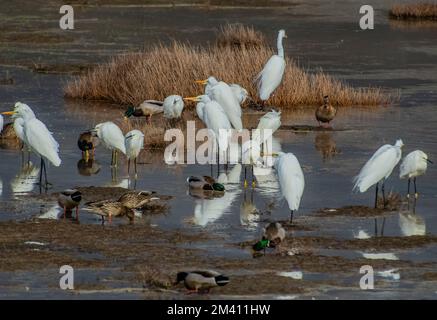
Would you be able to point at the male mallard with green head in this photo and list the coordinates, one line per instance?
(201, 280)
(205, 183)
(273, 235)
(70, 199)
(146, 109)
(326, 112)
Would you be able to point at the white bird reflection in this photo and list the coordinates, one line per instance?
(249, 214)
(411, 224)
(26, 179)
(208, 210)
(53, 213)
(380, 256)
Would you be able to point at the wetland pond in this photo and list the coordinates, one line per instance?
(334, 232)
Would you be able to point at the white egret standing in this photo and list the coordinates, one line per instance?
(291, 180)
(221, 92)
(112, 137)
(378, 168)
(215, 119)
(37, 137)
(271, 121)
(414, 165)
(173, 106)
(271, 75)
(134, 141)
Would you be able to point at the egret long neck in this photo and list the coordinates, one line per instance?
(280, 47)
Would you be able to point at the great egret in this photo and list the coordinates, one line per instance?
(70, 199)
(201, 280)
(134, 142)
(221, 92)
(215, 119)
(173, 106)
(146, 109)
(271, 76)
(326, 112)
(270, 121)
(291, 180)
(37, 137)
(112, 137)
(87, 142)
(240, 93)
(414, 165)
(378, 168)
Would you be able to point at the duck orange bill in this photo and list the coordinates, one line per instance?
(201, 81)
(8, 113)
(191, 99)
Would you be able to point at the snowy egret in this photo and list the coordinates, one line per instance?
(378, 168)
(326, 112)
(215, 119)
(70, 199)
(134, 142)
(291, 180)
(414, 165)
(37, 137)
(87, 141)
(271, 75)
(240, 93)
(173, 106)
(221, 92)
(146, 109)
(112, 137)
(201, 280)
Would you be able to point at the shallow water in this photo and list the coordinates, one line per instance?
(404, 59)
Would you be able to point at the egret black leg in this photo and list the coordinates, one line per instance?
(135, 165)
(416, 195)
(383, 194)
(408, 194)
(112, 158)
(376, 195)
(40, 173)
(291, 217)
(128, 166)
(45, 173)
(245, 176)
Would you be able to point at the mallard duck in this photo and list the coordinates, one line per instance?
(146, 109)
(326, 112)
(201, 280)
(111, 209)
(273, 235)
(70, 199)
(135, 200)
(205, 183)
(87, 141)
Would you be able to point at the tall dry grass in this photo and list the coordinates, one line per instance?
(163, 70)
(239, 36)
(427, 11)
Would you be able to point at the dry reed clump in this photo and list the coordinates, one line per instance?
(239, 36)
(427, 11)
(164, 70)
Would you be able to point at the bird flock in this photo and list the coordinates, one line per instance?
(219, 108)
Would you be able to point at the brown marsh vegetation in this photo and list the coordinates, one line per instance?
(238, 55)
(426, 11)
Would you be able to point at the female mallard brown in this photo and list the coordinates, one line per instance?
(87, 141)
(111, 209)
(146, 109)
(201, 280)
(326, 112)
(135, 200)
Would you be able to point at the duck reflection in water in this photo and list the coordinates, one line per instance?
(88, 167)
(325, 145)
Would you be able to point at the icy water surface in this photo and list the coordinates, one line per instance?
(393, 57)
